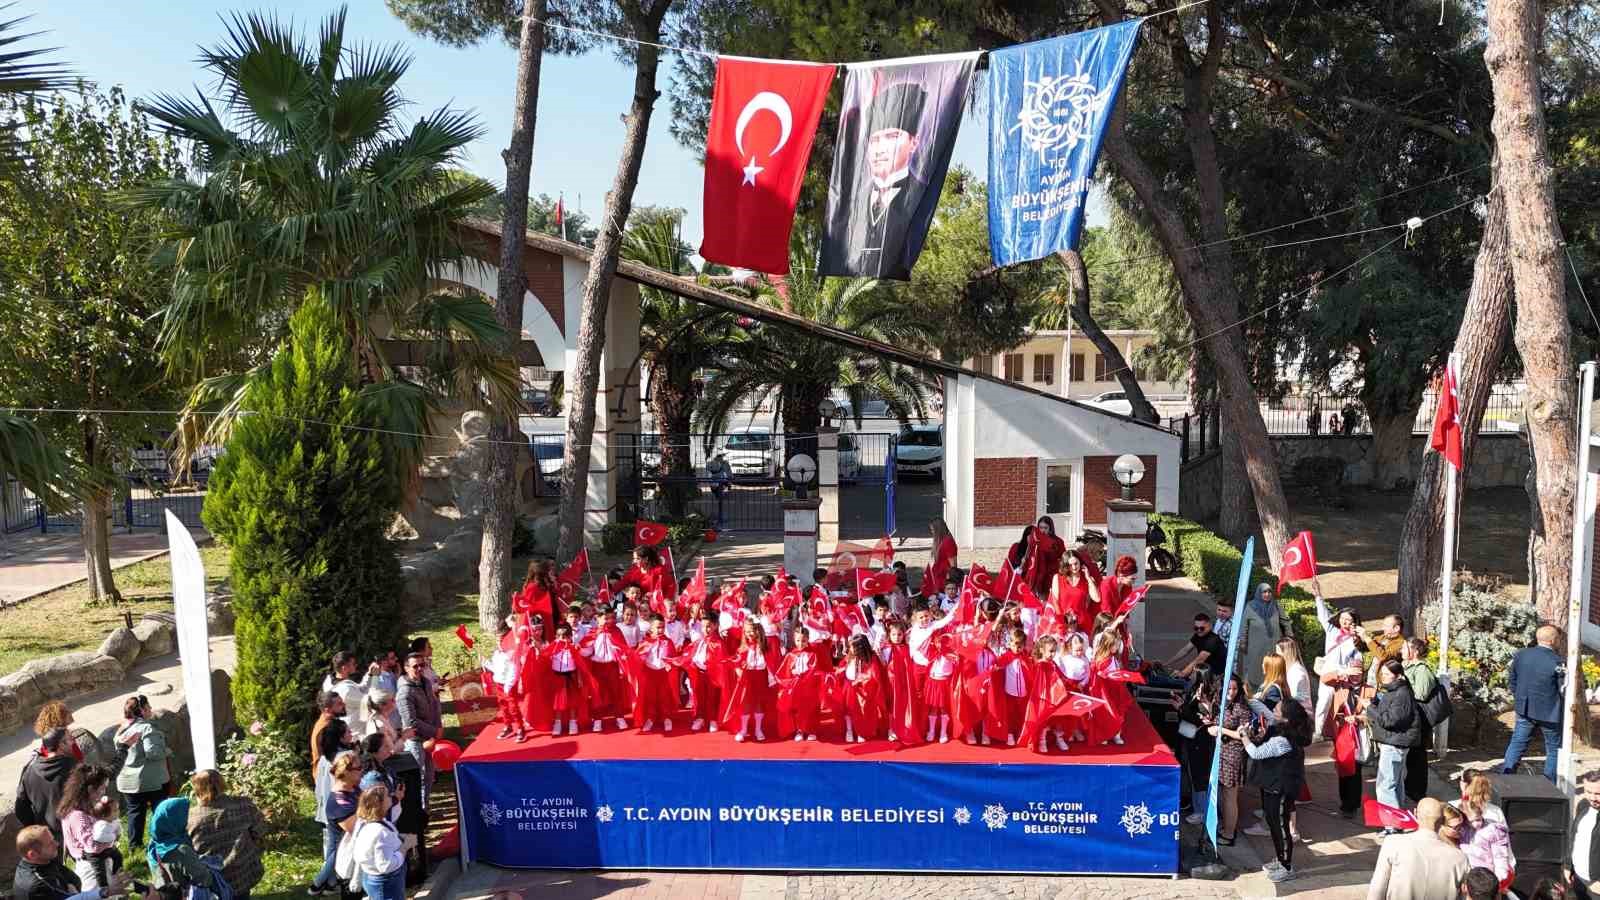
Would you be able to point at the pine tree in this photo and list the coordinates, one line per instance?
(303, 501)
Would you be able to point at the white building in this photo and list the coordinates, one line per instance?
(1067, 364)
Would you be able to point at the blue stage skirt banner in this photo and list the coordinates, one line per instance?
(1049, 102)
(807, 815)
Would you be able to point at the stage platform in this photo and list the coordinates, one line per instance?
(624, 800)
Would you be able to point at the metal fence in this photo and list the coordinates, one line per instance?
(137, 506)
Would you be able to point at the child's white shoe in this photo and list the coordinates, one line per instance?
(697, 724)
(1011, 740)
(799, 737)
(598, 726)
(811, 737)
(944, 738)
(572, 726)
(1117, 740)
(648, 726)
(621, 723)
(739, 738)
(860, 739)
(972, 739)
(666, 724)
(712, 728)
(893, 736)
(759, 735)
(985, 740)
(555, 729)
(1044, 745)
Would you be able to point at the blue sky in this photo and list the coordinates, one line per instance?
(150, 47)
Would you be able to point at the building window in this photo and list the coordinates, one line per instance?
(1044, 368)
(984, 365)
(1077, 367)
(1058, 490)
(1102, 368)
(1013, 366)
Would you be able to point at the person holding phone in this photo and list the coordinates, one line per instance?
(41, 876)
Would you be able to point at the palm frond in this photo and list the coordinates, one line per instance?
(28, 457)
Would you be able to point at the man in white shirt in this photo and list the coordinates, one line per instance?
(354, 693)
(1584, 863)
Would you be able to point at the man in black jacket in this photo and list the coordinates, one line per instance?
(44, 776)
(41, 876)
(1536, 683)
(1396, 728)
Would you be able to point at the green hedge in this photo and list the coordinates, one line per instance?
(1213, 563)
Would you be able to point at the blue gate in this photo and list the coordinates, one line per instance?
(889, 474)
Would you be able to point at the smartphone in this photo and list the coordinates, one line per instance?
(138, 888)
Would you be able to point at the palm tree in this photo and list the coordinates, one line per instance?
(800, 369)
(678, 338)
(308, 187)
(26, 455)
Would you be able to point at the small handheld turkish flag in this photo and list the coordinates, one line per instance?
(1127, 676)
(648, 534)
(1134, 598)
(576, 569)
(1024, 594)
(461, 632)
(696, 591)
(1381, 815)
(982, 580)
(1299, 560)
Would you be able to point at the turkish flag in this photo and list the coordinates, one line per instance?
(576, 569)
(1005, 581)
(696, 591)
(763, 119)
(869, 582)
(1133, 599)
(980, 578)
(1299, 560)
(648, 534)
(847, 619)
(1380, 815)
(461, 632)
(1447, 420)
(1026, 596)
(1127, 676)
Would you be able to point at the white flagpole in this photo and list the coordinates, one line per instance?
(1582, 525)
(1441, 737)
(561, 204)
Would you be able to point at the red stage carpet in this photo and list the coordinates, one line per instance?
(1142, 747)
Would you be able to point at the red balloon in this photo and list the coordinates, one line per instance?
(445, 754)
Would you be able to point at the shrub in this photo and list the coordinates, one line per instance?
(263, 765)
(522, 540)
(303, 504)
(1486, 630)
(1211, 562)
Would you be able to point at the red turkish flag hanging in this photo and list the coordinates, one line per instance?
(1447, 421)
(1299, 560)
(763, 119)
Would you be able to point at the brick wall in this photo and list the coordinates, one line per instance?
(1099, 485)
(543, 270)
(1005, 491)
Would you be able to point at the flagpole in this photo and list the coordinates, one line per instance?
(1582, 525)
(1441, 737)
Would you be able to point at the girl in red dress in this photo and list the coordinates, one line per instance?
(656, 697)
(905, 690)
(537, 596)
(1107, 727)
(606, 651)
(570, 683)
(1045, 562)
(702, 662)
(1074, 590)
(800, 682)
(942, 665)
(944, 556)
(861, 688)
(754, 671)
(1013, 685)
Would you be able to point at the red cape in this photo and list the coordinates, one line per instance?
(863, 700)
(905, 696)
(739, 682)
(800, 696)
(534, 600)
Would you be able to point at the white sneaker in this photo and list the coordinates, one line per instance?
(599, 726)
(985, 740)
(945, 739)
(555, 729)
(970, 740)
(1258, 830)
(572, 726)
(1195, 818)
(666, 724)
(1117, 740)
(1011, 740)
(648, 726)
(739, 738)
(860, 739)
(1279, 875)
(697, 724)
(798, 736)
(1271, 866)
(621, 723)
(759, 735)
(811, 737)
(712, 728)
(893, 736)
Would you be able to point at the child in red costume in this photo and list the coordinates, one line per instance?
(657, 695)
(943, 662)
(750, 695)
(1013, 686)
(509, 668)
(537, 596)
(1106, 728)
(570, 683)
(607, 652)
(861, 687)
(970, 687)
(800, 682)
(1057, 704)
(702, 662)
(905, 691)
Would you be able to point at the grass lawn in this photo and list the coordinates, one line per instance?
(63, 620)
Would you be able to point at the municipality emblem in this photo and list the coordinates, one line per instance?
(490, 813)
(963, 815)
(994, 816)
(1137, 819)
(603, 814)
(1058, 111)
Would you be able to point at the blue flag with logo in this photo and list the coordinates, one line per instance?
(1227, 676)
(1049, 102)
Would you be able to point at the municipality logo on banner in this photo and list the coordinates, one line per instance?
(1049, 103)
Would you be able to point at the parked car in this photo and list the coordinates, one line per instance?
(919, 450)
(849, 458)
(537, 400)
(1112, 401)
(751, 453)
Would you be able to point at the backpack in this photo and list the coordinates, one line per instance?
(1437, 708)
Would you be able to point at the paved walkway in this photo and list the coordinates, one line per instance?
(38, 563)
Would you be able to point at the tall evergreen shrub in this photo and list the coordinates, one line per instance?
(304, 503)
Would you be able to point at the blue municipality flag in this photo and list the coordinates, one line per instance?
(1049, 102)
(1227, 676)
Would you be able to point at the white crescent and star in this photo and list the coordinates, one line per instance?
(775, 104)
(1291, 556)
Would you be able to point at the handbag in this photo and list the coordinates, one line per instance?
(1364, 750)
(344, 861)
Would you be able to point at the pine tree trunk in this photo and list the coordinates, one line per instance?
(1481, 343)
(1209, 293)
(597, 288)
(1234, 521)
(1079, 277)
(1542, 333)
(500, 482)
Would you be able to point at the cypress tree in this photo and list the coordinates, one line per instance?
(304, 500)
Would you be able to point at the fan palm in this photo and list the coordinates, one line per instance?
(26, 456)
(308, 187)
(799, 369)
(678, 338)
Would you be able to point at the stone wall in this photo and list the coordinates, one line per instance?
(1498, 460)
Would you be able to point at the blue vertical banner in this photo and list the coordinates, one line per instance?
(1245, 566)
(1049, 102)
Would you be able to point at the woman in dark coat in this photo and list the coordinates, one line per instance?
(1396, 728)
